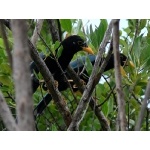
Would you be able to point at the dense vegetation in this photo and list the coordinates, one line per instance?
(134, 43)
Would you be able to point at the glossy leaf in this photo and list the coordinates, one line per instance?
(66, 24)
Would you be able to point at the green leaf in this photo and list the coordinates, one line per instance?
(100, 31)
(137, 46)
(110, 104)
(5, 80)
(79, 25)
(137, 90)
(66, 24)
(105, 108)
(93, 38)
(132, 122)
(59, 52)
(127, 30)
(56, 45)
(142, 23)
(148, 40)
(88, 66)
(124, 46)
(1, 43)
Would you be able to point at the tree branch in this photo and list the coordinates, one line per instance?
(7, 115)
(93, 104)
(85, 99)
(37, 30)
(49, 80)
(143, 108)
(53, 30)
(119, 89)
(22, 77)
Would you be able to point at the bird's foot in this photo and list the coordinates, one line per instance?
(45, 87)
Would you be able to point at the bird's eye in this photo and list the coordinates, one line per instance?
(80, 43)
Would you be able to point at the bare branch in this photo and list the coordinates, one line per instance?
(143, 108)
(37, 30)
(93, 104)
(7, 115)
(85, 99)
(63, 73)
(6, 43)
(22, 77)
(119, 89)
(53, 30)
(49, 80)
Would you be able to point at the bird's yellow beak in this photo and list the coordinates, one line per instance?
(123, 73)
(131, 64)
(88, 50)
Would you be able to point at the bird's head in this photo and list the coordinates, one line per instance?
(75, 43)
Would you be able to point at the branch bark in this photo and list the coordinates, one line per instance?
(22, 77)
(143, 108)
(53, 30)
(49, 80)
(7, 115)
(85, 99)
(36, 32)
(93, 103)
(119, 89)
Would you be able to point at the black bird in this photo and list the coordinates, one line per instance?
(78, 65)
(70, 46)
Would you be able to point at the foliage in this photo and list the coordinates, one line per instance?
(134, 43)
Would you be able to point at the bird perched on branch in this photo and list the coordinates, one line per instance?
(56, 64)
(78, 65)
(70, 46)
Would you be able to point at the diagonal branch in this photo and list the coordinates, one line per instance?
(93, 103)
(37, 30)
(143, 108)
(119, 89)
(53, 30)
(49, 80)
(6, 115)
(85, 99)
